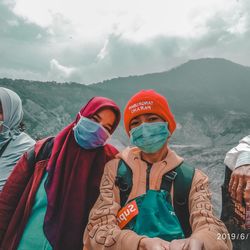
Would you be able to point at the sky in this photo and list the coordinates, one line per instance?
(91, 41)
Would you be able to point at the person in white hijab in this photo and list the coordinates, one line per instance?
(238, 160)
(13, 142)
(236, 193)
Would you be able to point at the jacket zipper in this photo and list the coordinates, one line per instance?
(147, 176)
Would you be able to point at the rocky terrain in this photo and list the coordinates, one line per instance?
(209, 97)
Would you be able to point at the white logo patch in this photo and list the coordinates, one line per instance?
(144, 105)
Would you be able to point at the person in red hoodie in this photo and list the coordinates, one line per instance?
(46, 201)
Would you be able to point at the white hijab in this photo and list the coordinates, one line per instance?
(18, 142)
(12, 114)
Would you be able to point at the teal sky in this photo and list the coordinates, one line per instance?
(90, 41)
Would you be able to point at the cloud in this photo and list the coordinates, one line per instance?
(60, 71)
(12, 22)
(90, 41)
(134, 20)
(104, 51)
(120, 57)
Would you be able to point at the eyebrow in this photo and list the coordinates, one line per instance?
(99, 117)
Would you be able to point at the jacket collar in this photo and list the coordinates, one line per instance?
(131, 155)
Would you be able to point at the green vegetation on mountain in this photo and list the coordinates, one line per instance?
(209, 97)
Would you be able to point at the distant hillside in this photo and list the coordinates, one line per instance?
(198, 85)
(49, 106)
(209, 97)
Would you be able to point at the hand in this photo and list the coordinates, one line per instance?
(239, 185)
(186, 244)
(153, 244)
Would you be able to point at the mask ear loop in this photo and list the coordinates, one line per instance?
(75, 123)
(109, 137)
(107, 132)
(80, 114)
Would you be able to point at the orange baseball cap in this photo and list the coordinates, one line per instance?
(148, 102)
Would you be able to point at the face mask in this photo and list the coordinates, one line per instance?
(89, 134)
(5, 131)
(150, 137)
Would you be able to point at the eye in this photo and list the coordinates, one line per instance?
(153, 118)
(134, 123)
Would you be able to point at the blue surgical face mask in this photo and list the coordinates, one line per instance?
(150, 137)
(89, 134)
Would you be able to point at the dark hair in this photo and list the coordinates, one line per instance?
(22, 126)
(1, 108)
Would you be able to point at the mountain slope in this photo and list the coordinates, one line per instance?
(209, 97)
(214, 91)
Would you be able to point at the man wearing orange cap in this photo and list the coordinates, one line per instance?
(149, 197)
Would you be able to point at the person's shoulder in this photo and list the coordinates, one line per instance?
(24, 138)
(199, 177)
(20, 143)
(111, 167)
(246, 140)
(200, 173)
(110, 150)
(113, 163)
(124, 156)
